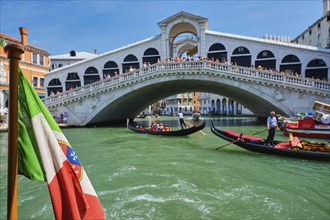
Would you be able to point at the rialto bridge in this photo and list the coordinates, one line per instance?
(117, 84)
(124, 96)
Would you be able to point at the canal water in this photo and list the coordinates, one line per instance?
(138, 176)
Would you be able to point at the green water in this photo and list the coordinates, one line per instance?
(139, 176)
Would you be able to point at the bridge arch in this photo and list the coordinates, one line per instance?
(54, 86)
(241, 56)
(130, 61)
(131, 100)
(266, 59)
(151, 55)
(318, 69)
(91, 75)
(72, 81)
(217, 51)
(110, 69)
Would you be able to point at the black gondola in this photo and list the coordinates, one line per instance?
(256, 144)
(134, 127)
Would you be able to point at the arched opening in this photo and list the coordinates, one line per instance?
(241, 56)
(317, 69)
(72, 81)
(54, 87)
(224, 106)
(150, 56)
(231, 106)
(218, 110)
(217, 52)
(212, 107)
(266, 59)
(110, 69)
(130, 61)
(291, 65)
(91, 75)
(182, 32)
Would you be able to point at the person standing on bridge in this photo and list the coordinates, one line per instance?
(180, 115)
(271, 127)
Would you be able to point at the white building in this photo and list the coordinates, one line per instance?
(211, 104)
(318, 34)
(58, 61)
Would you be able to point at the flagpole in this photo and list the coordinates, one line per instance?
(14, 54)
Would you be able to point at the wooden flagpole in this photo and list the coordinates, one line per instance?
(14, 54)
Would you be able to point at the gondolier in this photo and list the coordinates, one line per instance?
(180, 115)
(271, 127)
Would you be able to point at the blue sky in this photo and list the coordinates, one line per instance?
(59, 26)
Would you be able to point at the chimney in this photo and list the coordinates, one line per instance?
(326, 6)
(24, 33)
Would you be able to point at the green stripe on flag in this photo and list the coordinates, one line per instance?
(30, 105)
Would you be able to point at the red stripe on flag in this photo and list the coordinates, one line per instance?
(68, 199)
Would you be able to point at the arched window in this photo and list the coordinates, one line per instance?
(54, 66)
(54, 86)
(317, 69)
(266, 59)
(151, 56)
(130, 61)
(91, 75)
(110, 69)
(73, 53)
(217, 51)
(291, 65)
(241, 56)
(72, 81)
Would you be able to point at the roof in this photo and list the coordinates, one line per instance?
(15, 40)
(182, 14)
(261, 40)
(79, 56)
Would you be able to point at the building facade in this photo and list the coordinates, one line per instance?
(34, 63)
(318, 34)
(58, 61)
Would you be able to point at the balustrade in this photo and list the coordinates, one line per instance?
(188, 65)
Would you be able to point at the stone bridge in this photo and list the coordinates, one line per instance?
(126, 95)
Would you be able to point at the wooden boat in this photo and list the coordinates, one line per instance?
(256, 144)
(190, 130)
(307, 127)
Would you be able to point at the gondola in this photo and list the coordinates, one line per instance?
(190, 130)
(280, 148)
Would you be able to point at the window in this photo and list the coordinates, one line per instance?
(310, 32)
(42, 82)
(41, 60)
(318, 25)
(35, 81)
(303, 36)
(34, 58)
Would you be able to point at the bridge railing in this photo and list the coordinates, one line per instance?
(192, 65)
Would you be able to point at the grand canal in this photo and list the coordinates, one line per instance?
(140, 176)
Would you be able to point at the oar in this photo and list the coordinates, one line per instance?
(192, 125)
(240, 139)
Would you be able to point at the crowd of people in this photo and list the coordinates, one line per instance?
(212, 59)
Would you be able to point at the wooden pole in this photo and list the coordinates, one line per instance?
(14, 54)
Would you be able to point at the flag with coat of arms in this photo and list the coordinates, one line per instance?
(45, 154)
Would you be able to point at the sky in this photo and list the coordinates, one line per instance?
(59, 26)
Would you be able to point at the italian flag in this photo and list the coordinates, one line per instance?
(45, 154)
